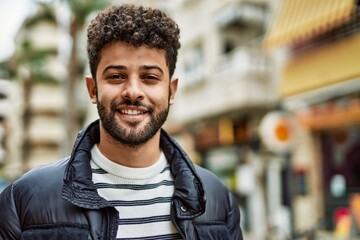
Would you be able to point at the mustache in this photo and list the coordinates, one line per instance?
(115, 105)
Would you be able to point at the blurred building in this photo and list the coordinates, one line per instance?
(319, 84)
(10, 133)
(225, 88)
(38, 71)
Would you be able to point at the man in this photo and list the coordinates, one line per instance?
(126, 177)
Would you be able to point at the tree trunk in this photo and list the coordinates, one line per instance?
(26, 150)
(72, 121)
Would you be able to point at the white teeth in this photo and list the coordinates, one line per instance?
(131, 112)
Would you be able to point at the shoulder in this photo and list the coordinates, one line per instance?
(42, 179)
(220, 202)
(214, 187)
(209, 178)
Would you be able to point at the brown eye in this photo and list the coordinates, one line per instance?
(150, 78)
(117, 77)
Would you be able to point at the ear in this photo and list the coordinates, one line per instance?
(173, 89)
(91, 87)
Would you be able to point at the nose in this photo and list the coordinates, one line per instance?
(133, 89)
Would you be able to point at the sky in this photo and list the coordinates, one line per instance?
(12, 14)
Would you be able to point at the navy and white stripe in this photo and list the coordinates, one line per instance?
(141, 195)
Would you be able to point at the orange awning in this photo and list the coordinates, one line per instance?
(298, 20)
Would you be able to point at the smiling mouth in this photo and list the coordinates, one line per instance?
(132, 112)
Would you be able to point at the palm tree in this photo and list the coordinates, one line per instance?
(28, 64)
(80, 10)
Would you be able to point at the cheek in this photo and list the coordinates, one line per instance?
(107, 94)
(160, 97)
(104, 100)
(160, 92)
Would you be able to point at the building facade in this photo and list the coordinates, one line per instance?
(319, 84)
(225, 88)
(10, 133)
(37, 73)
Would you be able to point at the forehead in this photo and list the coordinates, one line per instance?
(120, 53)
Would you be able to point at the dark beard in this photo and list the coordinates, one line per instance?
(132, 137)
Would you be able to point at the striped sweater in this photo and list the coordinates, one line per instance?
(142, 196)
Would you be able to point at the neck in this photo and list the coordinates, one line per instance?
(130, 156)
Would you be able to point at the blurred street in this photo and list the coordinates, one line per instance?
(268, 100)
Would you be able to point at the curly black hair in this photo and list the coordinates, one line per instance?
(136, 26)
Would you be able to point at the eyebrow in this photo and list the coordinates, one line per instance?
(117, 67)
(122, 67)
(149, 67)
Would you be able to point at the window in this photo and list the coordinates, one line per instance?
(194, 65)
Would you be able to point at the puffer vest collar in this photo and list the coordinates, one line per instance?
(188, 198)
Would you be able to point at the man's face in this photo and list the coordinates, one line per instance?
(133, 92)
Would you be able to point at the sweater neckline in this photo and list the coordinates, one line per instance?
(124, 171)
